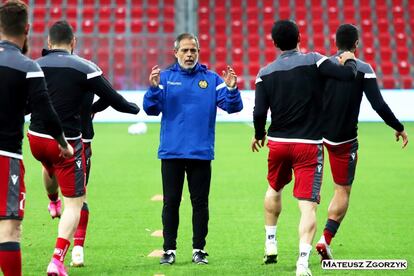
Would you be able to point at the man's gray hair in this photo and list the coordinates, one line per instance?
(185, 36)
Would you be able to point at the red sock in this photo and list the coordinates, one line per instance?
(62, 246)
(10, 259)
(328, 236)
(80, 234)
(53, 197)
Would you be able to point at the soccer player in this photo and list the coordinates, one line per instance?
(292, 86)
(22, 87)
(70, 79)
(341, 105)
(187, 95)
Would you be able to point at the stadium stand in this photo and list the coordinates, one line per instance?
(230, 31)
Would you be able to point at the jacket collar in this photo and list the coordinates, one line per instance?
(58, 51)
(289, 53)
(9, 45)
(197, 68)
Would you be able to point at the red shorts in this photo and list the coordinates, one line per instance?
(306, 161)
(343, 160)
(70, 173)
(12, 188)
(87, 149)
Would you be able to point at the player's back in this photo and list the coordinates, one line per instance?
(292, 88)
(342, 101)
(16, 70)
(67, 78)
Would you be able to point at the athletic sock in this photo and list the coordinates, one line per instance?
(270, 233)
(53, 197)
(304, 252)
(10, 259)
(330, 230)
(80, 234)
(61, 248)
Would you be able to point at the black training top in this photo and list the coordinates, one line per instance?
(342, 101)
(22, 88)
(292, 87)
(72, 81)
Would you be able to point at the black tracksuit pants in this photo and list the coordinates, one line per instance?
(198, 178)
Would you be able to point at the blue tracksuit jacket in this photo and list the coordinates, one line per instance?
(188, 102)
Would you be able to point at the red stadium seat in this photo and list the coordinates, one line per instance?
(169, 26)
(88, 12)
(254, 68)
(399, 25)
(39, 14)
(407, 82)
(153, 12)
(236, 13)
(402, 53)
(386, 54)
(72, 2)
(252, 13)
(87, 26)
(104, 12)
(204, 26)
(221, 55)
(386, 68)
(388, 82)
(87, 53)
(120, 12)
(55, 13)
(104, 26)
(72, 13)
(301, 13)
(268, 14)
(237, 41)
(152, 26)
(169, 13)
(38, 26)
(220, 40)
(203, 13)
(237, 55)
(120, 26)
(404, 67)
(136, 12)
(369, 55)
(136, 26)
(270, 54)
(237, 27)
(56, 2)
(74, 24)
(284, 12)
(401, 40)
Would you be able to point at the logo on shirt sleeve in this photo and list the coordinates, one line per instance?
(203, 84)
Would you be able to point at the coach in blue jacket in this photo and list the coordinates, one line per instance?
(187, 94)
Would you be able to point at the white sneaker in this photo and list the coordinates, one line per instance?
(270, 256)
(77, 256)
(323, 249)
(303, 270)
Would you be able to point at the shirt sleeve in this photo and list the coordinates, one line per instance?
(377, 102)
(261, 107)
(228, 99)
(101, 87)
(153, 99)
(329, 69)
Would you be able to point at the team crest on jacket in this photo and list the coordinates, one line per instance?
(203, 84)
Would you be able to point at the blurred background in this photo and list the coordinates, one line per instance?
(127, 37)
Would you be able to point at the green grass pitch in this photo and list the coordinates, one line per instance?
(126, 174)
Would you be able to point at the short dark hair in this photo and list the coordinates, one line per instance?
(61, 32)
(285, 34)
(185, 36)
(346, 36)
(13, 18)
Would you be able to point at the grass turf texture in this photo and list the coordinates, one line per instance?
(126, 174)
